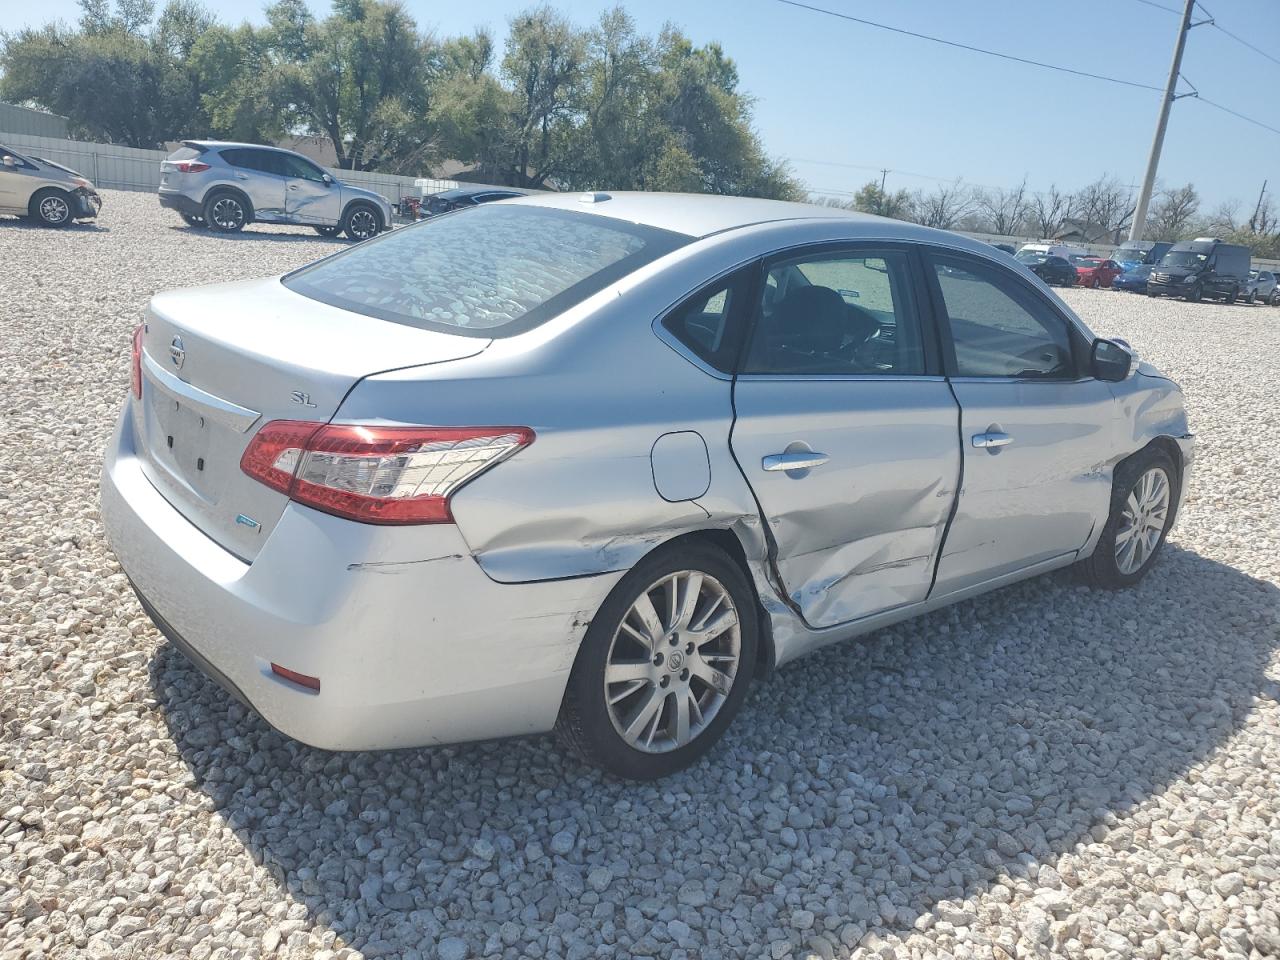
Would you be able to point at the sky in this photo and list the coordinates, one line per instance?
(841, 100)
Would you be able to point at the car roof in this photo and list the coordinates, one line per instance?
(219, 144)
(703, 214)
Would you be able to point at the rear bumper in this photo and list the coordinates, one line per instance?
(413, 644)
(180, 202)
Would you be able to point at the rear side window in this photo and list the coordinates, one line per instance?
(264, 161)
(709, 323)
(494, 271)
(185, 153)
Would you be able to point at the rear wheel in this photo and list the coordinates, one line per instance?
(361, 222)
(1233, 296)
(51, 207)
(664, 665)
(1144, 496)
(226, 213)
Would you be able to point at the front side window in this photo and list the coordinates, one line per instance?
(838, 314)
(998, 328)
(299, 168)
(496, 271)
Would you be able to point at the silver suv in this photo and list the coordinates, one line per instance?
(45, 191)
(227, 185)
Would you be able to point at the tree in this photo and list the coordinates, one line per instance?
(1173, 212)
(944, 207)
(1106, 204)
(1049, 211)
(873, 198)
(1004, 210)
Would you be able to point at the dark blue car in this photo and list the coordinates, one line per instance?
(1134, 279)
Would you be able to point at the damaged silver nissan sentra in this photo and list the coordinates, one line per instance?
(593, 463)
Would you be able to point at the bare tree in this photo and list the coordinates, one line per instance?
(1264, 219)
(1174, 211)
(1224, 219)
(944, 207)
(1108, 205)
(1004, 210)
(1050, 209)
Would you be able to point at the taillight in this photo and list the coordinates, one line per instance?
(190, 166)
(391, 475)
(135, 359)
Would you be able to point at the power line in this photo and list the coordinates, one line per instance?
(972, 49)
(1242, 40)
(1161, 6)
(1234, 113)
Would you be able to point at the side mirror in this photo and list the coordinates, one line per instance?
(10, 162)
(328, 180)
(1112, 360)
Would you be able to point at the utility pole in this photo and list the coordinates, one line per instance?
(1253, 222)
(1170, 95)
(883, 173)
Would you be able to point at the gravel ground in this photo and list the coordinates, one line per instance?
(1046, 771)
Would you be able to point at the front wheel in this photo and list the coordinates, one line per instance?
(327, 231)
(51, 207)
(1252, 297)
(1194, 294)
(664, 665)
(361, 223)
(1144, 497)
(1233, 296)
(193, 220)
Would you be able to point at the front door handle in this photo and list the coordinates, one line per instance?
(242, 176)
(804, 460)
(992, 439)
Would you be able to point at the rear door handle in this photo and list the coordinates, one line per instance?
(805, 460)
(293, 186)
(993, 439)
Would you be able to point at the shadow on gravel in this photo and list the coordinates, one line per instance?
(865, 783)
(88, 226)
(248, 233)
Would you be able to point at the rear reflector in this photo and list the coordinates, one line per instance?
(301, 679)
(385, 475)
(190, 166)
(135, 360)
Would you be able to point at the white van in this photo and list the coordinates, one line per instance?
(1064, 250)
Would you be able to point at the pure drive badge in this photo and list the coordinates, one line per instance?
(249, 522)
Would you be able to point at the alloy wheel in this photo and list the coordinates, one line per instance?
(1142, 522)
(363, 224)
(672, 662)
(54, 210)
(227, 214)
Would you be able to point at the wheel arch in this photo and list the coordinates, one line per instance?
(355, 202)
(239, 194)
(1169, 447)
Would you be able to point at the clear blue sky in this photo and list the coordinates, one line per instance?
(842, 93)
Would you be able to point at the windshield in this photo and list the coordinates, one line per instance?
(57, 166)
(1030, 256)
(1183, 258)
(491, 271)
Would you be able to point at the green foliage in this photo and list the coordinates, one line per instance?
(872, 198)
(559, 106)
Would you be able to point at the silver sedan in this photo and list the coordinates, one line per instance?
(594, 463)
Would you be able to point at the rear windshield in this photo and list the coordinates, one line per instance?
(185, 153)
(491, 271)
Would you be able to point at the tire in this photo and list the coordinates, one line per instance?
(1093, 284)
(192, 220)
(1233, 296)
(1194, 294)
(361, 222)
(51, 207)
(226, 212)
(327, 231)
(653, 661)
(1252, 297)
(1112, 566)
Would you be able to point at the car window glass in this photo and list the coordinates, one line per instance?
(706, 323)
(837, 314)
(998, 329)
(299, 168)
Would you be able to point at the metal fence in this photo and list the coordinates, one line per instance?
(129, 168)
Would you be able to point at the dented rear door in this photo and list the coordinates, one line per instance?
(858, 504)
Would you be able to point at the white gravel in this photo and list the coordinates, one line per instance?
(1046, 771)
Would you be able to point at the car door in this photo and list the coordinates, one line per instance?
(16, 182)
(309, 197)
(846, 430)
(1036, 433)
(260, 174)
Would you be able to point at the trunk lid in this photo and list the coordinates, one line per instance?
(220, 361)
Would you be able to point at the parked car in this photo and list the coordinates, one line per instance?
(368, 496)
(1262, 286)
(1005, 248)
(1204, 267)
(226, 186)
(1095, 272)
(44, 191)
(463, 197)
(1135, 252)
(1134, 279)
(1052, 270)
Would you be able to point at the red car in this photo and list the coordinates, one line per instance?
(1095, 272)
